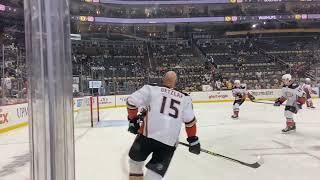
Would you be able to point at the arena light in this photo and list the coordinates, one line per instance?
(254, 26)
(2, 7)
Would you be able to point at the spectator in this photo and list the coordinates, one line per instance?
(229, 85)
(257, 86)
(259, 74)
(7, 85)
(218, 85)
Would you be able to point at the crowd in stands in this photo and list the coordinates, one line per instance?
(259, 63)
(13, 83)
(13, 87)
(12, 3)
(127, 65)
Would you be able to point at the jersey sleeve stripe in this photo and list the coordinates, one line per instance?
(191, 123)
(135, 175)
(130, 106)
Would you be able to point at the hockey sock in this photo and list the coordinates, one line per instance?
(151, 175)
(135, 170)
(290, 122)
(135, 177)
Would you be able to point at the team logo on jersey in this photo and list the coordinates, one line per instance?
(288, 94)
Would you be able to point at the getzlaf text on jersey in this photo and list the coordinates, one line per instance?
(167, 110)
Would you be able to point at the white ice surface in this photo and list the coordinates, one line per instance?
(101, 152)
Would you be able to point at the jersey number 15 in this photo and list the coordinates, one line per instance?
(173, 106)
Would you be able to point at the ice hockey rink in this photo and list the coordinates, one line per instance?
(101, 152)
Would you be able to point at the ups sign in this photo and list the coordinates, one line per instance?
(22, 112)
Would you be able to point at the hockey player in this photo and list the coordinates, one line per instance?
(294, 95)
(240, 93)
(308, 91)
(167, 109)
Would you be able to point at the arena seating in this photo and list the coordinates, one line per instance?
(127, 57)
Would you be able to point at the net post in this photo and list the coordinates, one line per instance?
(98, 108)
(91, 110)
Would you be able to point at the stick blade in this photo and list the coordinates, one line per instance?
(258, 163)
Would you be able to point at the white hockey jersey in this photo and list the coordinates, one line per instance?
(308, 89)
(239, 92)
(291, 93)
(167, 110)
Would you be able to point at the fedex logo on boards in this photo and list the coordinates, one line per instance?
(3, 117)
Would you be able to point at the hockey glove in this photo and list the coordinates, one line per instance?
(239, 95)
(251, 97)
(194, 144)
(142, 114)
(134, 125)
(301, 101)
(278, 102)
(299, 106)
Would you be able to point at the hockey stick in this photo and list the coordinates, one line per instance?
(263, 102)
(253, 165)
(259, 102)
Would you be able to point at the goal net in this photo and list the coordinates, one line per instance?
(86, 111)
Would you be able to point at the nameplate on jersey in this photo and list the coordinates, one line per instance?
(171, 92)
